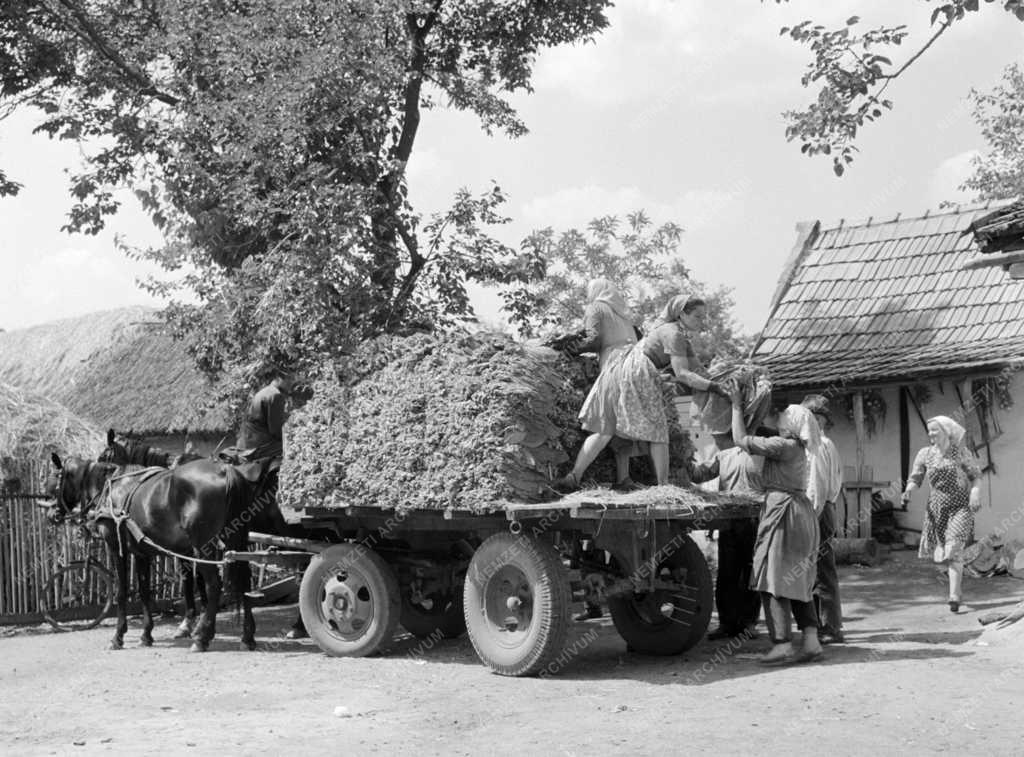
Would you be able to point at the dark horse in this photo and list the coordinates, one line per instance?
(131, 452)
(189, 510)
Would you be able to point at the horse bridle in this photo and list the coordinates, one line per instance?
(84, 506)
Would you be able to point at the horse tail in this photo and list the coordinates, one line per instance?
(236, 535)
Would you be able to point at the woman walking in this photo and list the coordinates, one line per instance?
(785, 552)
(953, 476)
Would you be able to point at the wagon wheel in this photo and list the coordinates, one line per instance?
(517, 601)
(78, 596)
(668, 622)
(349, 600)
(440, 612)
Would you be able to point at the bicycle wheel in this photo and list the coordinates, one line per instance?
(78, 596)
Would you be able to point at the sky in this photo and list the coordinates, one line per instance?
(676, 110)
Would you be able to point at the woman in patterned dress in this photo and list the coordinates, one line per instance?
(953, 476)
(786, 549)
(634, 407)
(611, 334)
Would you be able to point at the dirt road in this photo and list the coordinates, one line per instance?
(912, 680)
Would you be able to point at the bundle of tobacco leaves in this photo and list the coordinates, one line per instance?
(433, 421)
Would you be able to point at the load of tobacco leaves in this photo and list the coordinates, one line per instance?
(436, 421)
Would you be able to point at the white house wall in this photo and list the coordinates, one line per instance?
(1002, 494)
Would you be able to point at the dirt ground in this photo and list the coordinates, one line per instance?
(913, 679)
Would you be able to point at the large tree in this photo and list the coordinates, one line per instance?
(642, 258)
(269, 141)
(852, 69)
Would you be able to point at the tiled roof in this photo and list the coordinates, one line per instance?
(889, 301)
(1003, 227)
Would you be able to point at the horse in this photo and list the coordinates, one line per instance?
(186, 510)
(132, 452)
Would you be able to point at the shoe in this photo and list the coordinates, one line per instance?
(567, 484)
(954, 606)
(810, 656)
(721, 633)
(592, 612)
(627, 485)
(827, 636)
(780, 654)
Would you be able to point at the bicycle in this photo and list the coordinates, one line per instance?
(78, 595)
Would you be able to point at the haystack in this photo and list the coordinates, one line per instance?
(435, 421)
(31, 427)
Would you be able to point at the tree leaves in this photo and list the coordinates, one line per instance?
(853, 78)
(269, 140)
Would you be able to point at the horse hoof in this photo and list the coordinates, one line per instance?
(197, 647)
(146, 641)
(181, 633)
(247, 646)
(116, 644)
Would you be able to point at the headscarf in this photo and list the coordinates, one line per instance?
(953, 431)
(673, 309)
(603, 290)
(799, 422)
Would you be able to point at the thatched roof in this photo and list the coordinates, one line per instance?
(888, 301)
(117, 369)
(32, 425)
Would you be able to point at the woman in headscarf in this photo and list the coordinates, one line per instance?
(611, 334)
(953, 475)
(634, 407)
(786, 548)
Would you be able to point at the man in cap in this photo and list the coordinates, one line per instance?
(823, 489)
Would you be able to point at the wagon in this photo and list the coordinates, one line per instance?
(508, 576)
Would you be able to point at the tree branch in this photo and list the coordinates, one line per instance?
(919, 53)
(91, 35)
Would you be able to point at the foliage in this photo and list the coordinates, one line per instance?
(853, 75)
(436, 420)
(643, 259)
(268, 139)
(999, 173)
(875, 410)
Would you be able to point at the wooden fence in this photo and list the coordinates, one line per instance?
(32, 550)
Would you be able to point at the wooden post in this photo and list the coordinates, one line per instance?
(904, 437)
(858, 425)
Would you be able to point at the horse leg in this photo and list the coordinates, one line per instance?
(188, 593)
(207, 625)
(121, 568)
(242, 583)
(142, 565)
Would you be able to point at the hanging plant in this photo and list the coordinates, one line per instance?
(874, 410)
(1002, 390)
(921, 393)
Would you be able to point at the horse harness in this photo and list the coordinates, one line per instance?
(118, 513)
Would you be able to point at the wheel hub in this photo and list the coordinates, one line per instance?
(346, 604)
(509, 604)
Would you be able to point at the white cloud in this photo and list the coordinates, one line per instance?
(68, 282)
(695, 209)
(945, 182)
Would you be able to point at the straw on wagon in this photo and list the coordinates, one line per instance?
(434, 421)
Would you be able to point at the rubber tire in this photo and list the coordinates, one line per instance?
(548, 579)
(687, 627)
(421, 623)
(103, 579)
(382, 583)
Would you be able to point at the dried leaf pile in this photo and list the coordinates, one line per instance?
(434, 421)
